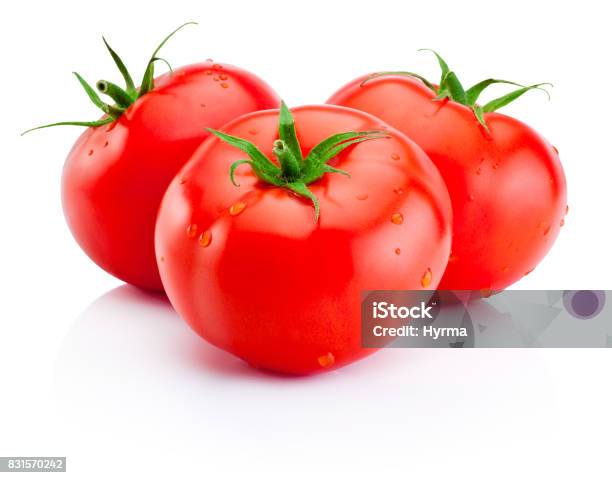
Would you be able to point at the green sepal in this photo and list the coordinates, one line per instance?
(319, 169)
(330, 169)
(267, 174)
(263, 167)
(112, 111)
(91, 124)
(301, 189)
(364, 136)
(129, 83)
(473, 93)
(233, 167)
(451, 87)
(320, 154)
(502, 101)
(427, 83)
(243, 145)
(479, 114)
(164, 61)
(147, 79)
(445, 70)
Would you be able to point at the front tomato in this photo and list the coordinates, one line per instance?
(258, 271)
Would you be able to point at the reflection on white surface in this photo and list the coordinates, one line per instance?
(131, 370)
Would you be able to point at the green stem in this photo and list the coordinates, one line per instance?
(118, 94)
(289, 164)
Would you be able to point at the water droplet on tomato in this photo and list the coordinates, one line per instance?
(506, 269)
(183, 180)
(223, 76)
(546, 231)
(202, 105)
(192, 230)
(562, 223)
(395, 157)
(208, 72)
(398, 251)
(216, 78)
(426, 279)
(496, 165)
(529, 271)
(216, 66)
(326, 360)
(397, 218)
(362, 197)
(237, 208)
(452, 258)
(556, 150)
(224, 85)
(253, 131)
(90, 152)
(478, 171)
(205, 239)
(471, 197)
(105, 144)
(566, 210)
(398, 191)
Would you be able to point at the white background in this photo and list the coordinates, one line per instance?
(113, 379)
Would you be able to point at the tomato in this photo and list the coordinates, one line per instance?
(506, 183)
(119, 168)
(272, 270)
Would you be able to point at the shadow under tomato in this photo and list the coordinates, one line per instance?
(130, 370)
(128, 325)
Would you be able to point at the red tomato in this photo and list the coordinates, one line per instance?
(506, 184)
(252, 272)
(116, 173)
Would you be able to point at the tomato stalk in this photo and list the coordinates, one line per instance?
(295, 172)
(450, 87)
(289, 164)
(122, 97)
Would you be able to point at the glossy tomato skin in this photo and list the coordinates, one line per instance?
(249, 269)
(507, 186)
(115, 175)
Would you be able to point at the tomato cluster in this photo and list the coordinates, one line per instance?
(263, 224)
